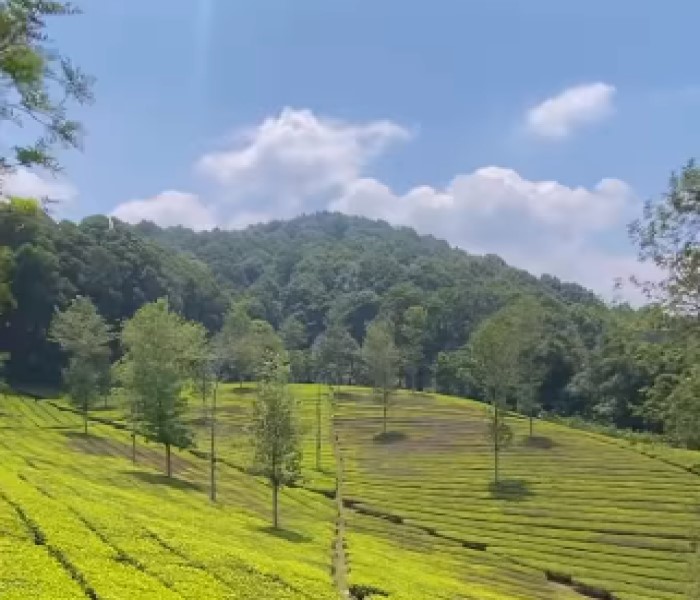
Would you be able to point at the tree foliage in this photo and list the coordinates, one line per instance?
(275, 429)
(38, 83)
(84, 336)
(381, 358)
(158, 359)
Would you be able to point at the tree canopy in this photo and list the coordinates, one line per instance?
(38, 83)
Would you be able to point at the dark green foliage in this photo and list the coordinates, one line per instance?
(315, 283)
(101, 259)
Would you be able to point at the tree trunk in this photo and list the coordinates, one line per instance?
(496, 448)
(133, 447)
(385, 410)
(275, 506)
(531, 425)
(212, 448)
(168, 462)
(85, 421)
(318, 428)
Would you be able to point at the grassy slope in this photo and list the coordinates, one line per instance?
(577, 503)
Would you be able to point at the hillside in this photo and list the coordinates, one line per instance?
(420, 520)
(311, 264)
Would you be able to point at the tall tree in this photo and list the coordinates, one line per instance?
(38, 82)
(260, 342)
(236, 327)
(382, 359)
(275, 430)
(333, 353)
(293, 334)
(529, 339)
(207, 361)
(495, 364)
(413, 329)
(84, 336)
(668, 236)
(156, 364)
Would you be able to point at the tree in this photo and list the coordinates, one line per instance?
(236, 326)
(529, 340)
(260, 342)
(382, 359)
(156, 364)
(293, 334)
(668, 236)
(207, 361)
(38, 82)
(275, 430)
(84, 336)
(494, 356)
(413, 328)
(333, 353)
(7, 301)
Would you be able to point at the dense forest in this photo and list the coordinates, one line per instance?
(320, 280)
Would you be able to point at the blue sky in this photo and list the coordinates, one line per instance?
(530, 129)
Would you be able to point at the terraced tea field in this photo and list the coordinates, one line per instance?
(575, 505)
(420, 522)
(78, 520)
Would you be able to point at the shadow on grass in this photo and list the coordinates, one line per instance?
(539, 441)
(73, 433)
(511, 490)
(389, 437)
(285, 534)
(160, 479)
(344, 395)
(242, 391)
(360, 592)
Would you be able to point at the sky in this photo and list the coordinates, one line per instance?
(533, 130)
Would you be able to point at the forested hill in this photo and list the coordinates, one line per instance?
(353, 266)
(318, 278)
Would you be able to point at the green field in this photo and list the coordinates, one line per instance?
(421, 520)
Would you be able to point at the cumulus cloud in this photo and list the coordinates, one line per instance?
(25, 183)
(299, 162)
(559, 116)
(294, 160)
(168, 208)
(542, 226)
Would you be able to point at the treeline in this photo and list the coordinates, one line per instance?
(317, 282)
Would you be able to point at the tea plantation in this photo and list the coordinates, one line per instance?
(577, 515)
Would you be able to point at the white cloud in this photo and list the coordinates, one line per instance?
(542, 226)
(25, 183)
(559, 116)
(168, 208)
(292, 160)
(298, 162)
